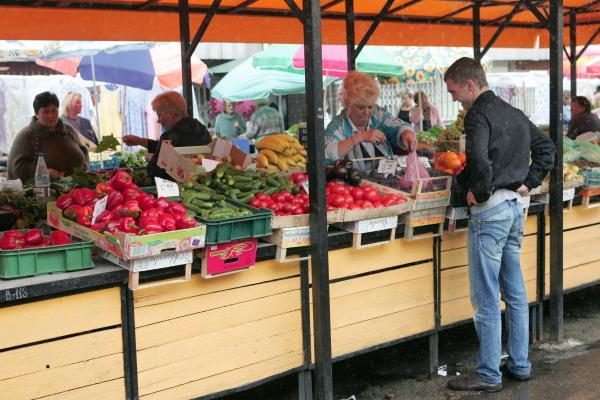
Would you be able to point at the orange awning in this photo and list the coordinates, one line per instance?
(425, 23)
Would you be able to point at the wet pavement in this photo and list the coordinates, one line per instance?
(565, 371)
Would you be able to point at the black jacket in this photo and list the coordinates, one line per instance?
(186, 132)
(500, 143)
(582, 123)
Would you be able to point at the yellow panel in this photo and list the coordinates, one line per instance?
(230, 379)
(577, 247)
(531, 225)
(217, 320)
(389, 297)
(57, 354)
(577, 217)
(69, 377)
(382, 329)
(59, 316)
(263, 271)
(152, 313)
(577, 276)
(452, 241)
(349, 262)
(110, 390)
(217, 353)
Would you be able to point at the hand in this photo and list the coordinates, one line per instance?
(131, 140)
(523, 191)
(54, 172)
(471, 199)
(372, 136)
(409, 140)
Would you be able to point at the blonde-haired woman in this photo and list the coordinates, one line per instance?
(363, 129)
(425, 115)
(69, 114)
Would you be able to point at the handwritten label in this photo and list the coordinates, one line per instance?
(16, 294)
(402, 161)
(425, 162)
(387, 167)
(166, 188)
(305, 186)
(99, 208)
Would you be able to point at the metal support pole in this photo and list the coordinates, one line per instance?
(350, 39)
(318, 216)
(477, 30)
(304, 376)
(573, 53)
(186, 65)
(541, 274)
(556, 175)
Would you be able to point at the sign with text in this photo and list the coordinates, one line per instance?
(99, 208)
(166, 188)
(387, 167)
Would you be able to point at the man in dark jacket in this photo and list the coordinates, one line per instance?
(500, 143)
(582, 118)
(171, 110)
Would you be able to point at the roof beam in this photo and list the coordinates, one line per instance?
(374, 25)
(147, 4)
(330, 4)
(241, 6)
(533, 9)
(296, 11)
(501, 28)
(587, 44)
(403, 6)
(202, 29)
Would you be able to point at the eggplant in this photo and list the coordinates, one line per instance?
(354, 177)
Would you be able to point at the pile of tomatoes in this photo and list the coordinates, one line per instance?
(359, 197)
(282, 203)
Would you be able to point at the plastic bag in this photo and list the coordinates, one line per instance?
(579, 150)
(414, 171)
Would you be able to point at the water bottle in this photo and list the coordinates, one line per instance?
(42, 180)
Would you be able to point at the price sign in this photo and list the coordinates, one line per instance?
(402, 161)
(305, 186)
(425, 162)
(166, 188)
(99, 208)
(387, 167)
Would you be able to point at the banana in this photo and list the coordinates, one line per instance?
(282, 165)
(303, 152)
(262, 161)
(288, 160)
(270, 154)
(299, 159)
(272, 168)
(289, 152)
(296, 145)
(272, 143)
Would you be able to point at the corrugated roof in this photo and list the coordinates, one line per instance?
(406, 22)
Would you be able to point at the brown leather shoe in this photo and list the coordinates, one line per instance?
(511, 375)
(473, 382)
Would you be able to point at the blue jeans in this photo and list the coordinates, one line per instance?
(495, 237)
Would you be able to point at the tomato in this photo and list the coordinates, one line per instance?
(377, 204)
(367, 204)
(371, 195)
(355, 207)
(330, 207)
(357, 193)
(339, 189)
(348, 199)
(278, 197)
(337, 200)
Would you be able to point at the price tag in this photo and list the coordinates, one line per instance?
(166, 188)
(425, 162)
(387, 167)
(305, 186)
(402, 161)
(99, 208)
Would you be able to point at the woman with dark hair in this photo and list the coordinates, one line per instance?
(425, 115)
(582, 118)
(46, 133)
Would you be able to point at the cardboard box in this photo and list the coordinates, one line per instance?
(127, 246)
(226, 258)
(178, 163)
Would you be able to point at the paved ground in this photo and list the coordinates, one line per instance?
(569, 371)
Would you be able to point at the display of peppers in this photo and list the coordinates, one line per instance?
(128, 209)
(16, 239)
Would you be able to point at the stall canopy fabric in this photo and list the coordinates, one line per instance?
(290, 58)
(130, 65)
(248, 83)
(403, 22)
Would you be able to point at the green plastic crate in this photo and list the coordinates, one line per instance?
(22, 263)
(592, 177)
(229, 230)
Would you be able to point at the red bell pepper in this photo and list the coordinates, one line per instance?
(167, 221)
(64, 200)
(120, 180)
(177, 208)
(127, 225)
(78, 196)
(33, 237)
(112, 226)
(151, 212)
(10, 242)
(99, 226)
(70, 212)
(102, 189)
(130, 208)
(88, 194)
(146, 201)
(131, 193)
(106, 216)
(187, 222)
(59, 237)
(115, 199)
(148, 226)
(163, 203)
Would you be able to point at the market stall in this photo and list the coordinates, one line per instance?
(181, 342)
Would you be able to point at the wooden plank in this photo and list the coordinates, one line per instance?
(153, 313)
(56, 354)
(451, 241)
(68, 377)
(578, 216)
(216, 353)
(376, 302)
(577, 276)
(577, 247)
(228, 380)
(178, 330)
(349, 262)
(59, 316)
(110, 390)
(382, 329)
(263, 272)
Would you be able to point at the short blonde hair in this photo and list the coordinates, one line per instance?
(170, 102)
(359, 87)
(66, 103)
